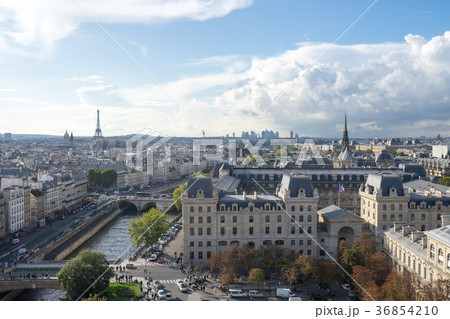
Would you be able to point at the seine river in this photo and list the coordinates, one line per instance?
(113, 240)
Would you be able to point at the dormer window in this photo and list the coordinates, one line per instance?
(301, 192)
(200, 194)
(267, 207)
(393, 191)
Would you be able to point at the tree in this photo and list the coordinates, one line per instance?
(328, 272)
(108, 177)
(88, 268)
(257, 275)
(291, 273)
(177, 195)
(394, 287)
(366, 244)
(444, 181)
(147, 229)
(272, 256)
(94, 176)
(352, 257)
(380, 266)
(308, 266)
(247, 257)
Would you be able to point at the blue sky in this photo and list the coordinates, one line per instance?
(225, 63)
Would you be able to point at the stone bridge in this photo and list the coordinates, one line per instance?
(19, 284)
(145, 203)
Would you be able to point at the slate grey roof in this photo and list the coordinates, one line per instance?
(420, 186)
(199, 182)
(345, 156)
(406, 241)
(292, 184)
(384, 156)
(384, 182)
(227, 184)
(332, 212)
(441, 234)
(413, 168)
(260, 201)
(220, 165)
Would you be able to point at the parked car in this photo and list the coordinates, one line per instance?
(160, 260)
(350, 293)
(153, 257)
(255, 294)
(236, 293)
(162, 294)
(15, 241)
(346, 286)
(179, 281)
(284, 293)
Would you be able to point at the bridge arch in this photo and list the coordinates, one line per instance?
(123, 204)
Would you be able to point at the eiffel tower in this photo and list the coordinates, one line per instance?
(98, 132)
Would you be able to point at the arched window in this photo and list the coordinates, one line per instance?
(222, 243)
(432, 251)
(440, 257)
(279, 242)
(267, 242)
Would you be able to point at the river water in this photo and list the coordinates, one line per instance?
(113, 240)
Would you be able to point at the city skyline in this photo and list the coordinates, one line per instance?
(225, 64)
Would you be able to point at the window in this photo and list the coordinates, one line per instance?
(309, 230)
(234, 230)
(448, 262)
(208, 254)
(191, 209)
(309, 252)
(309, 218)
(279, 218)
(208, 220)
(384, 206)
(423, 217)
(200, 231)
(191, 255)
(292, 242)
(222, 208)
(222, 219)
(208, 231)
(300, 218)
(267, 219)
(250, 219)
(234, 207)
(300, 230)
(440, 257)
(222, 243)
(279, 242)
(200, 209)
(234, 219)
(208, 209)
(191, 220)
(293, 208)
(301, 208)
(432, 251)
(384, 217)
(251, 208)
(400, 207)
(191, 244)
(322, 252)
(300, 242)
(200, 244)
(309, 208)
(250, 230)
(200, 220)
(424, 273)
(400, 217)
(292, 230)
(300, 251)
(278, 230)
(200, 255)
(292, 219)
(384, 227)
(392, 217)
(413, 217)
(309, 242)
(267, 230)
(191, 231)
(438, 216)
(222, 230)
(392, 207)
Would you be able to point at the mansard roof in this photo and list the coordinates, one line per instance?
(291, 184)
(199, 182)
(384, 182)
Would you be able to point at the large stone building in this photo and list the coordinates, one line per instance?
(15, 217)
(214, 219)
(385, 200)
(3, 212)
(436, 167)
(423, 253)
(37, 200)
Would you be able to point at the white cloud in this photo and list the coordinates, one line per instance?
(42, 23)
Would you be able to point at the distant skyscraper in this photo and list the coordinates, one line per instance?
(98, 132)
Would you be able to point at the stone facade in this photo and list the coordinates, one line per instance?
(213, 221)
(15, 217)
(3, 211)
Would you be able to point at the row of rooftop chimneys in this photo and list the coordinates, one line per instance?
(416, 234)
(244, 194)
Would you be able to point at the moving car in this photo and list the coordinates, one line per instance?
(183, 287)
(162, 294)
(153, 257)
(15, 241)
(160, 260)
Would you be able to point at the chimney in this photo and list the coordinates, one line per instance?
(256, 195)
(416, 235)
(406, 230)
(398, 226)
(445, 219)
(424, 242)
(244, 195)
(235, 191)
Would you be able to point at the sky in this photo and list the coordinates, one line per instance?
(180, 67)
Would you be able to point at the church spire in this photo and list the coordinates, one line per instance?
(345, 140)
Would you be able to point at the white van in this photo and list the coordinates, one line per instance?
(284, 293)
(236, 293)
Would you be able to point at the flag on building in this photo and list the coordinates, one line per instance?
(341, 188)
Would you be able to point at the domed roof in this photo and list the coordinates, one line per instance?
(384, 156)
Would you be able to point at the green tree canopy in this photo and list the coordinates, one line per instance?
(147, 230)
(108, 177)
(257, 275)
(78, 274)
(444, 181)
(177, 195)
(352, 257)
(94, 176)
